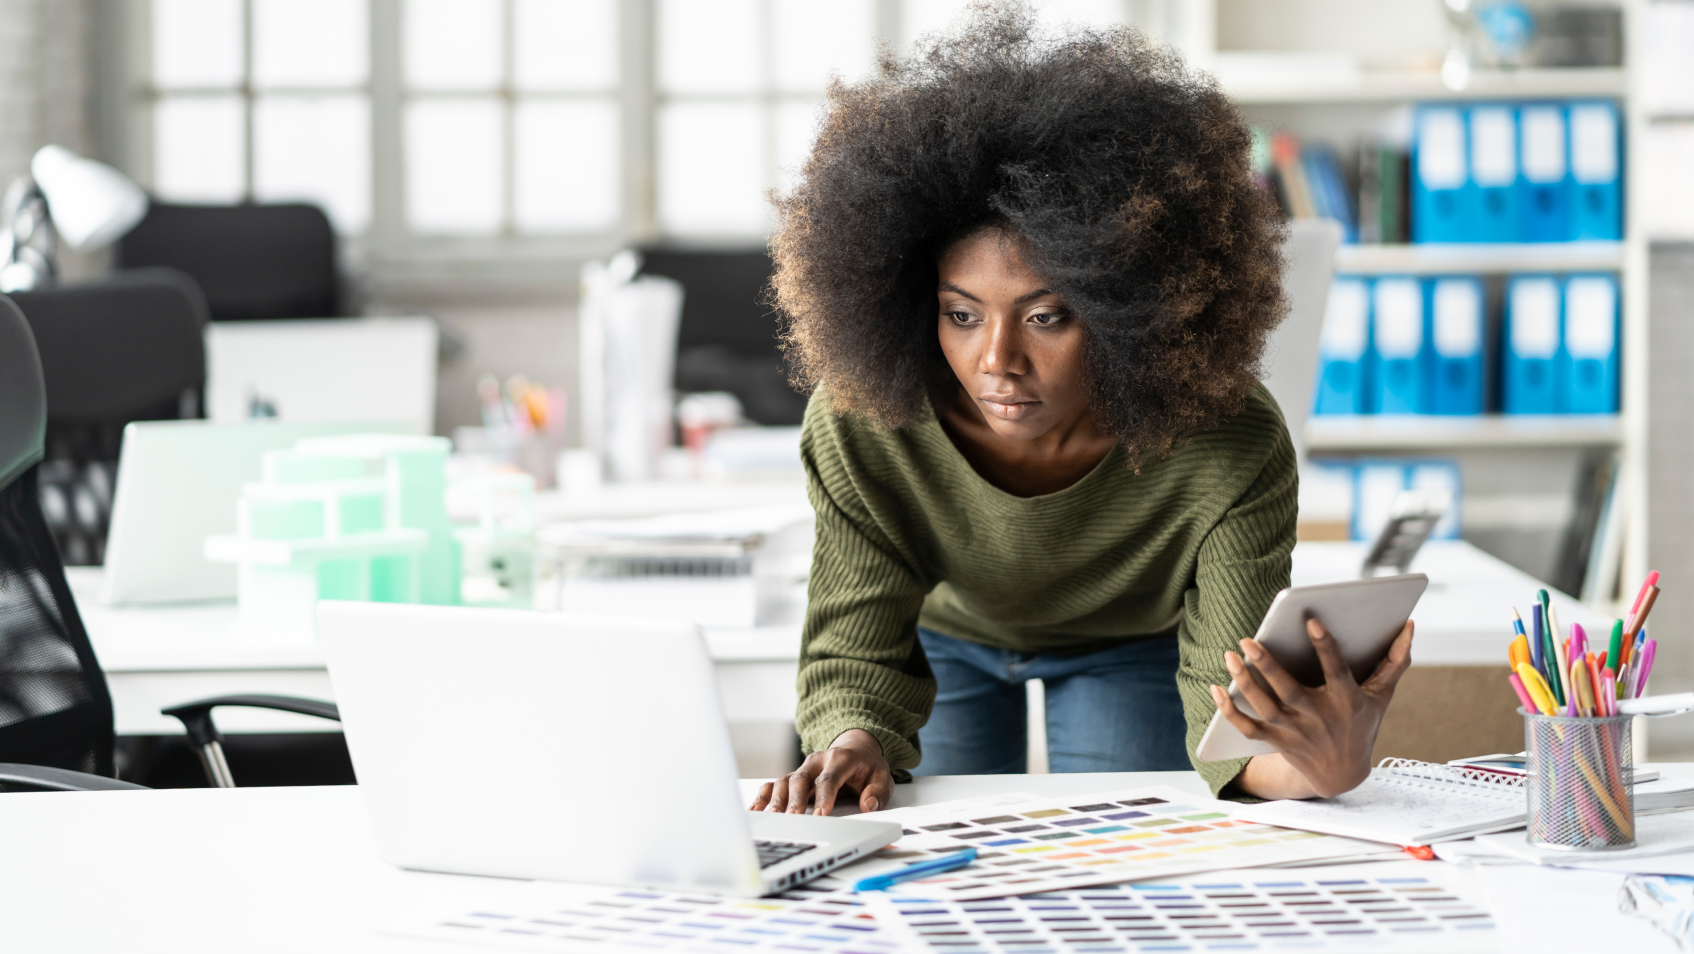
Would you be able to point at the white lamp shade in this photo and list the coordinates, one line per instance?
(91, 203)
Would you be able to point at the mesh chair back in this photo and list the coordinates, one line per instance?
(54, 706)
(131, 348)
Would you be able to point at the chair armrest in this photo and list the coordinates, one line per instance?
(43, 779)
(197, 716)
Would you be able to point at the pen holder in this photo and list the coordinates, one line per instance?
(1580, 784)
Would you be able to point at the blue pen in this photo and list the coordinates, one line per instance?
(882, 882)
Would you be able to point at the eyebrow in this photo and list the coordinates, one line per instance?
(950, 287)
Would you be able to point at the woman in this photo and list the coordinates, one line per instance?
(1029, 283)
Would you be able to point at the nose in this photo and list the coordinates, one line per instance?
(1003, 351)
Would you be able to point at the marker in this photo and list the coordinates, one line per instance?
(1616, 645)
(1648, 653)
(1639, 620)
(947, 863)
(1523, 694)
(1651, 581)
(1537, 688)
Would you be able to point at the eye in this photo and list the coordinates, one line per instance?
(1047, 319)
(961, 317)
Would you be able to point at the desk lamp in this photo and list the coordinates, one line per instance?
(66, 197)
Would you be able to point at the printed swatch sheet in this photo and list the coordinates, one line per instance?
(1239, 911)
(600, 918)
(1028, 844)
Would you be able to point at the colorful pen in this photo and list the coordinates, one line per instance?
(1648, 653)
(1616, 645)
(945, 863)
(1523, 694)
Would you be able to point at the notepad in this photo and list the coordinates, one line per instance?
(1349, 909)
(1407, 803)
(1027, 844)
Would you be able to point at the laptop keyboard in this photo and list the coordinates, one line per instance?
(772, 852)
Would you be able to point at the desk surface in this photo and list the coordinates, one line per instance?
(271, 869)
(282, 869)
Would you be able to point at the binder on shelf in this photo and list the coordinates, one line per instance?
(1399, 347)
(1456, 321)
(1588, 361)
(1342, 348)
(1439, 174)
(1492, 213)
(1543, 172)
(1596, 172)
(1531, 345)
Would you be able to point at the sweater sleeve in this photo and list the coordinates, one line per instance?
(861, 665)
(1243, 563)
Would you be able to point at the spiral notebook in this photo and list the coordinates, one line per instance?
(1406, 803)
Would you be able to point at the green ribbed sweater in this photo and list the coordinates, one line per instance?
(908, 533)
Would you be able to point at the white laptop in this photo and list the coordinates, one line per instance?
(323, 369)
(552, 746)
(178, 482)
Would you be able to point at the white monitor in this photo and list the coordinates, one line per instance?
(323, 369)
(178, 482)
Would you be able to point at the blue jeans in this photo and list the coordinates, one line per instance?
(1114, 710)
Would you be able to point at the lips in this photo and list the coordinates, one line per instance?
(1008, 407)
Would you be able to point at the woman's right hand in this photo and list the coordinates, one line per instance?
(852, 762)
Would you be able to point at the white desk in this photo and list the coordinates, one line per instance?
(158, 656)
(279, 869)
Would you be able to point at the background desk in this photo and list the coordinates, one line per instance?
(1455, 699)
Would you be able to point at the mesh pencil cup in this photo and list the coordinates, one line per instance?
(1579, 785)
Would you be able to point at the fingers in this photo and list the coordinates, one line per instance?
(829, 785)
(1335, 670)
(1389, 671)
(1286, 687)
(1266, 705)
(875, 794)
(763, 798)
(1244, 723)
(800, 788)
(778, 794)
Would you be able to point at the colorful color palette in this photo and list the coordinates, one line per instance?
(1339, 909)
(1028, 844)
(662, 921)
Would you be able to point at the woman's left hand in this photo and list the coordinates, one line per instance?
(1324, 733)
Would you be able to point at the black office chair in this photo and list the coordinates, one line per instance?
(56, 730)
(129, 348)
(254, 262)
(727, 340)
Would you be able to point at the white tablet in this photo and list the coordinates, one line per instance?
(1363, 615)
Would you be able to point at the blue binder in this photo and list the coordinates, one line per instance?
(1439, 174)
(1531, 345)
(1399, 346)
(1543, 173)
(1456, 336)
(1341, 387)
(1588, 357)
(1596, 171)
(1491, 213)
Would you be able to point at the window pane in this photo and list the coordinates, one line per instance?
(711, 169)
(315, 148)
(709, 47)
(196, 43)
(928, 16)
(566, 166)
(1056, 14)
(197, 148)
(453, 179)
(310, 43)
(565, 44)
(813, 40)
(796, 128)
(452, 44)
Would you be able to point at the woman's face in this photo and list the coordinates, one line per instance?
(1014, 345)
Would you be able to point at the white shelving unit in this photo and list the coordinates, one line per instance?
(1338, 100)
(1377, 432)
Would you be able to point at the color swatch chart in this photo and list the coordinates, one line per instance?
(600, 918)
(1028, 844)
(1246, 911)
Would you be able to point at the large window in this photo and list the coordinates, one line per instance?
(416, 121)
